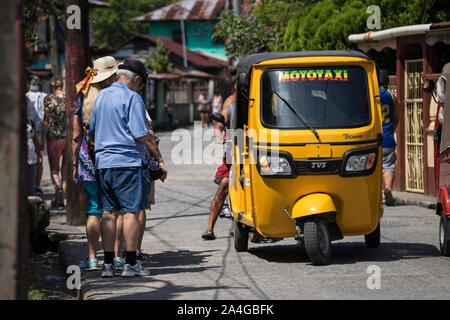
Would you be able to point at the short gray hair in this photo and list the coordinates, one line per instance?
(126, 73)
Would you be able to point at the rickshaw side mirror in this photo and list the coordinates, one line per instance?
(217, 116)
(429, 86)
(242, 80)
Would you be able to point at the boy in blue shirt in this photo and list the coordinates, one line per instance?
(389, 117)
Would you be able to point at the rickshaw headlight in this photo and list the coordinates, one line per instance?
(272, 166)
(360, 162)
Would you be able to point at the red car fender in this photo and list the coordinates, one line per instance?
(444, 200)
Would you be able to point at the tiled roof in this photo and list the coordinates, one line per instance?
(186, 10)
(193, 57)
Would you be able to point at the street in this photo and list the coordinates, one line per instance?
(184, 266)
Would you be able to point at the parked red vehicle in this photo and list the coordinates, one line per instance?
(442, 169)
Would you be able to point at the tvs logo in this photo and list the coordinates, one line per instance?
(318, 165)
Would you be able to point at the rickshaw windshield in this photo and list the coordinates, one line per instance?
(327, 97)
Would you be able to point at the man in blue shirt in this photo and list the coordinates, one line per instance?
(390, 119)
(121, 137)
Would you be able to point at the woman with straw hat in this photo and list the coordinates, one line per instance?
(99, 76)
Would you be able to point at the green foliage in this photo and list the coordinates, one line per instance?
(113, 25)
(158, 60)
(33, 10)
(317, 25)
(327, 24)
(260, 30)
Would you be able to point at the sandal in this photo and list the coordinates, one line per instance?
(209, 235)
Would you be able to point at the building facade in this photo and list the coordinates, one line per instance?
(419, 52)
(197, 18)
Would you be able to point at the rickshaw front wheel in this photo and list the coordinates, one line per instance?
(240, 237)
(373, 239)
(317, 242)
(444, 235)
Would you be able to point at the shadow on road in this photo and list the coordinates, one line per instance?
(149, 288)
(160, 264)
(348, 253)
(178, 258)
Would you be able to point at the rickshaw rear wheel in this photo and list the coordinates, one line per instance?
(317, 242)
(240, 237)
(444, 235)
(373, 239)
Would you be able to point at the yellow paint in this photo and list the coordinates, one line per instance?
(318, 151)
(312, 204)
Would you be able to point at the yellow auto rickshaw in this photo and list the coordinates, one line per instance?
(306, 149)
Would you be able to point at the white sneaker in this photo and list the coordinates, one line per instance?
(133, 271)
(108, 270)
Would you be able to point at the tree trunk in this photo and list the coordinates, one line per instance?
(77, 59)
(54, 50)
(14, 244)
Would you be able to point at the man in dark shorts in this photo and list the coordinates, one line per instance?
(121, 136)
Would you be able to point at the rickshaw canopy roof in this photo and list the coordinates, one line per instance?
(244, 68)
(245, 65)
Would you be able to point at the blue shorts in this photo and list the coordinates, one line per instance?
(121, 189)
(91, 189)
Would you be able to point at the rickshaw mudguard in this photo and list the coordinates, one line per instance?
(313, 204)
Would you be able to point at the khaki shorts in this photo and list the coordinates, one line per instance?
(389, 158)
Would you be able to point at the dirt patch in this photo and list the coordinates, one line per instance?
(47, 279)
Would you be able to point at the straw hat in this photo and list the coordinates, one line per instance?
(104, 67)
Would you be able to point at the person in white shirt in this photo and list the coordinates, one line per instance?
(35, 100)
(34, 149)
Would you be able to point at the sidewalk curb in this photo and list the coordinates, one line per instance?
(424, 204)
(411, 199)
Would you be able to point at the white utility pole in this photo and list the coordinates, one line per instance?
(236, 7)
(183, 38)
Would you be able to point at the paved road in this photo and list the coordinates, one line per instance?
(183, 266)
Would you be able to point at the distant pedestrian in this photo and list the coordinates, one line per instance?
(217, 102)
(54, 134)
(203, 108)
(35, 100)
(389, 112)
(33, 148)
(168, 111)
(121, 136)
(100, 76)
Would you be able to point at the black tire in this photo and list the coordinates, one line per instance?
(444, 235)
(240, 237)
(317, 242)
(373, 239)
